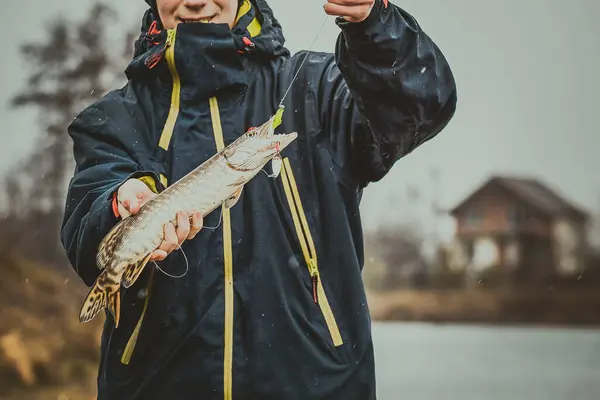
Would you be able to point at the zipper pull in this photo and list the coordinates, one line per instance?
(170, 37)
(315, 281)
(314, 276)
(155, 58)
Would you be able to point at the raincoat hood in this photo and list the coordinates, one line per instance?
(255, 21)
(226, 55)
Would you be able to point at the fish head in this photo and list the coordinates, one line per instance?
(257, 146)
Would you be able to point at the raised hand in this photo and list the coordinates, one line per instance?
(350, 10)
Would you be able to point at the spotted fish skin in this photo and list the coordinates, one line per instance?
(219, 181)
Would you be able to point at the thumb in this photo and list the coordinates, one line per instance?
(134, 206)
(128, 201)
(123, 212)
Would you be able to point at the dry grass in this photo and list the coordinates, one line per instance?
(521, 306)
(44, 351)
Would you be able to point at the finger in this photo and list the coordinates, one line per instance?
(134, 206)
(183, 227)
(354, 12)
(129, 203)
(158, 255)
(352, 3)
(196, 225)
(133, 194)
(127, 197)
(123, 212)
(169, 242)
(143, 196)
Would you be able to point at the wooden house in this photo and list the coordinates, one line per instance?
(520, 227)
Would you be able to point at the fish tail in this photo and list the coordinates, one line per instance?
(103, 294)
(114, 304)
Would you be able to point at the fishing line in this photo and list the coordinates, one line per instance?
(219, 224)
(268, 174)
(187, 263)
(302, 63)
(187, 266)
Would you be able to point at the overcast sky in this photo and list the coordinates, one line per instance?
(527, 73)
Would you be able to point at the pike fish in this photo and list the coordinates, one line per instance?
(219, 181)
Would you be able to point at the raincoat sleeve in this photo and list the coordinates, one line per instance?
(388, 90)
(102, 165)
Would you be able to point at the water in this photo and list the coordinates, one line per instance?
(449, 362)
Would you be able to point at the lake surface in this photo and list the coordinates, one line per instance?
(450, 362)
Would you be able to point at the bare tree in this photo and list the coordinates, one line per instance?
(74, 66)
(397, 249)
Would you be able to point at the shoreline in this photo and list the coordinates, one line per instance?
(557, 308)
(490, 325)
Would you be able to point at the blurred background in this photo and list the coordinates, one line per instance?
(483, 246)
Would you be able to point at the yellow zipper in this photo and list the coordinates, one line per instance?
(308, 250)
(164, 141)
(167, 133)
(228, 266)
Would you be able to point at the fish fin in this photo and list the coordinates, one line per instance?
(133, 271)
(100, 296)
(114, 304)
(233, 199)
(109, 243)
(276, 166)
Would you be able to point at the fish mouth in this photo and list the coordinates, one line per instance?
(256, 154)
(282, 140)
(278, 142)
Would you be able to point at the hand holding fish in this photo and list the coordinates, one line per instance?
(161, 221)
(350, 10)
(133, 194)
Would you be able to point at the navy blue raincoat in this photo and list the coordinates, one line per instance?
(273, 304)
